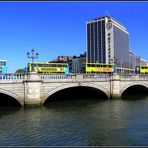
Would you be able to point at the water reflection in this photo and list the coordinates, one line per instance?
(90, 122)
(6, 110)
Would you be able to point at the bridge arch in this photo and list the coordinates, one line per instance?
(130, 85)
(12, 95)
(75, 85)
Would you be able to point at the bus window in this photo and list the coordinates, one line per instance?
(88, 65)
(97, 65)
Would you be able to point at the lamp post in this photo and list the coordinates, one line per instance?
(32, 56)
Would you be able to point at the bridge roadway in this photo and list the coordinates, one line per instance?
(34, 89)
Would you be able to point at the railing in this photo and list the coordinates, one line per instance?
(95, 76)
(134, 77)
(73, 76)
(48, 77)
(12, 76)
(57, 76)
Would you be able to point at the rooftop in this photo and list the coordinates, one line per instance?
(110, 19)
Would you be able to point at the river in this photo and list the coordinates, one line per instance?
(87, 122)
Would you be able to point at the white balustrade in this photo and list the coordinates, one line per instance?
(12, 76)
(94, 76)
(15, 76)
(134, 77)
(51, 76)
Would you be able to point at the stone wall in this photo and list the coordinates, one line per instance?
(34, 91)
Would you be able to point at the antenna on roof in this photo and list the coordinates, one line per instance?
(107, 13)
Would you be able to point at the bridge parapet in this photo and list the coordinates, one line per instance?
(57, 76)
(134, 77)
(52, 77)
(74, 77)
(12, 76)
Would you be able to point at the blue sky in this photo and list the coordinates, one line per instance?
(59, 28)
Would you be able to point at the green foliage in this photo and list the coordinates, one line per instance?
(20, 70)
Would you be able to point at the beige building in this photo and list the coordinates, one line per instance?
(63, 58)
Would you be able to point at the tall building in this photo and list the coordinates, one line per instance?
(132, 60)
(107, 42)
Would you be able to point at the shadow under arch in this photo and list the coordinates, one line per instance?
(135, 91)
(8, 98)
(78, 90)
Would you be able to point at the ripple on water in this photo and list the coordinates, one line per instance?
(76, 123)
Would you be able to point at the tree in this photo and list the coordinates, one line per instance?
(21, 70)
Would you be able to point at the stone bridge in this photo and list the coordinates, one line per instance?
(34, 89)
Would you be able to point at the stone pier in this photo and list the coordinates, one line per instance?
(32, 90)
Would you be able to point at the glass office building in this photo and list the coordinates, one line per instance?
(96, 41)
(107, 42)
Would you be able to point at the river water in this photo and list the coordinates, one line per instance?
(87, 122)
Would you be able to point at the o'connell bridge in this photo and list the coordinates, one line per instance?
(34, 89)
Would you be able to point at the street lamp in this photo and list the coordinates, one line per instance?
(32, 55)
